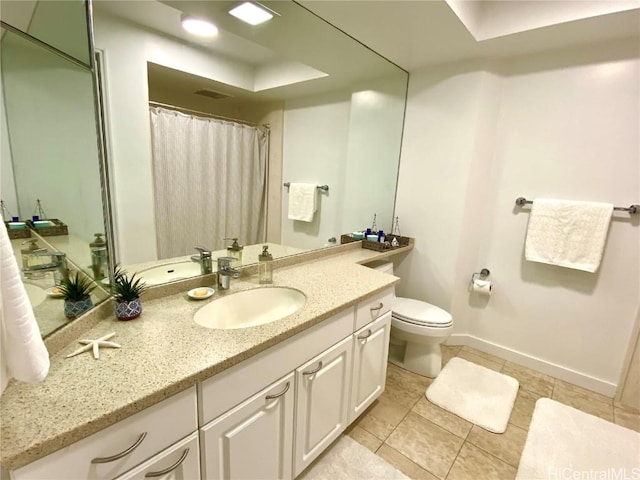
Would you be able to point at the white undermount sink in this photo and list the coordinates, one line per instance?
(169, 272)
(36, 294)
(250, 308)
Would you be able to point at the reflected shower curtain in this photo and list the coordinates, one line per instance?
(209, 179)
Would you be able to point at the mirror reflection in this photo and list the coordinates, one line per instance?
(322, 109)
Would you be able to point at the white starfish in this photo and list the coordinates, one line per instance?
(95, 345)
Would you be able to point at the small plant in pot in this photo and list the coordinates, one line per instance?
(76, 292)
(126, 291)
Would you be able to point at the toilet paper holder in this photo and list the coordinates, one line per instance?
(482, 275)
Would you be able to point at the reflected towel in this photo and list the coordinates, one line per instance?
(568, 233)
(302, 201)
(23, 354)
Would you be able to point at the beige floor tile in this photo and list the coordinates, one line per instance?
(383, 416)
(405, 387)
(472, 357)
(364, 438)
(402, 463)
(583, 399)
(523, 408)
(475, 464)
(425, 443)
(530, 379)
(506, 446)
(448, 352)
(443, 418)
(627, 418)
(480, 353)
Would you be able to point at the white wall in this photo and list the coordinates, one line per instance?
(7, 183)
(562, 125)
(315, 151)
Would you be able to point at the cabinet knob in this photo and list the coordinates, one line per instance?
(123, 453)
(365, 335)
(378, 308)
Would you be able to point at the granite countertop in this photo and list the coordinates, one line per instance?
(164, 352)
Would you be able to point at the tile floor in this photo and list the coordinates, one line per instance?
(427, 442)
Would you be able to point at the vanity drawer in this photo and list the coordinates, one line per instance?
(374, 307)
(153, 430)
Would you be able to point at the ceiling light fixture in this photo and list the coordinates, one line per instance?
(251, 13)
(199, 26)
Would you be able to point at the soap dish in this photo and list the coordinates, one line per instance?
(201, 293)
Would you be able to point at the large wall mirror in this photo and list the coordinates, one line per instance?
(325, 110)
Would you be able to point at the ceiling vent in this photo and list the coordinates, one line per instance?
(212, 94)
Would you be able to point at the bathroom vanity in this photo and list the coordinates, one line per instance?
(260, 402)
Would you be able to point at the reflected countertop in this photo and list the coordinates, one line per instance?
(165, 352)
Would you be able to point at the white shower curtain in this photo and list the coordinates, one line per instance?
(209, 179)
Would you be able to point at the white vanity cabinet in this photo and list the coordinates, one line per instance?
(253, 440)
(181, 461)
(370, 352)
(322, 402)
(122, 446)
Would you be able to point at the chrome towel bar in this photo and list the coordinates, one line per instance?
(633, 209)
(324, 188)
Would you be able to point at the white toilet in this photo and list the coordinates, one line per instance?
(417, 330)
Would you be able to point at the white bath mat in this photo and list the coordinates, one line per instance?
(566, 443)
(475, 393)
(348, 460)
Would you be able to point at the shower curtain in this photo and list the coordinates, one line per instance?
(209, 180)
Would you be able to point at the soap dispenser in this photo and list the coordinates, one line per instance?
(99, 257)
(235, 250)
(31, 257)
(265, 265)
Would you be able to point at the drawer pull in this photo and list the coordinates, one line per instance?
(168, 469)
(276, 395)
(378, 308)
(315, 370)
(365, 336)
(124, 453)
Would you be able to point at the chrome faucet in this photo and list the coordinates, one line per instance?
(204, 260)
(58, 266)
(225, 272)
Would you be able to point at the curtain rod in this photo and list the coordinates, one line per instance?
(206, 114)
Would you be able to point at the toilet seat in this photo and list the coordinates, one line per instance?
(420, 313)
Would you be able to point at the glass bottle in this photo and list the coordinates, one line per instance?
(265, 265)
(235, 250)
(99, 257)
(31, 257)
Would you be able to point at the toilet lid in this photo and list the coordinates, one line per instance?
(421, 313)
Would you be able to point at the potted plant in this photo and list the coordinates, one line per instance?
(126, 291)
(76, 292)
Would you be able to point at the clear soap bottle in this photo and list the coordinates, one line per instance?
(235, 251)
(32, 257)
(265, 265)
(99, 257)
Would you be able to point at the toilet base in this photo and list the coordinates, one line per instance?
(424, 358)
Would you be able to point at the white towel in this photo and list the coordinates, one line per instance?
(23, 354)
(302, 201)
(568, 233)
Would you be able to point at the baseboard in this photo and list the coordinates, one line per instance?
(529, 361)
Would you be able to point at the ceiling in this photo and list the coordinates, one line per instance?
(421, 33)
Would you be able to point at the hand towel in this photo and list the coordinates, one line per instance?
(23, 354)
(302, 201)
(568, 233)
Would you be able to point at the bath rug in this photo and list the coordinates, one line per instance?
(477, 394)
(566, 443)
(348, 460)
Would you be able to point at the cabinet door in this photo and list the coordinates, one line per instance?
(253, 440)
(322, 392)
(370, 352)
(178, 462)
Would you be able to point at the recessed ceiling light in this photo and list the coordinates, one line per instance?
(199, 26)
(251, 13)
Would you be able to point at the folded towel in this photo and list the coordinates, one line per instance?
(568, 233)
(23, 354)
(302, 201)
